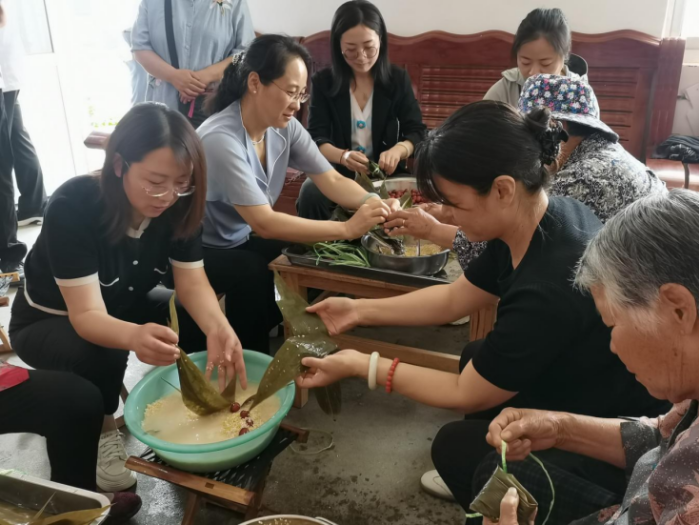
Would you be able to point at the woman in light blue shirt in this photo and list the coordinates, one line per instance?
(206, 33)
(249, 142)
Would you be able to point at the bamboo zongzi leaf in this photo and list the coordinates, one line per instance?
(364, 181)
(77, 517)
(488, 502)
(198, 394)
(383, 191)
(293, 309)
(329, 399)
(375, 171)
(309, 339)
(174, 325)
(406, 200)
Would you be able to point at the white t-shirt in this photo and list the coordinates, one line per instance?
(11, 49)
(361, 136)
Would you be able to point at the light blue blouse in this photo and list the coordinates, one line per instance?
(205, 32)
(236, 177)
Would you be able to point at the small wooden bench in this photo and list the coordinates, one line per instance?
(239, 489)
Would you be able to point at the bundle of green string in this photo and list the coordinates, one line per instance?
(504, 448)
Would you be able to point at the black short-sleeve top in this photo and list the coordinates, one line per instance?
(73, 249)
(549, 342)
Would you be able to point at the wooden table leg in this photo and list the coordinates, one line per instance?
(301, 395)
(256, 504)
(191, 508)
(4, 342)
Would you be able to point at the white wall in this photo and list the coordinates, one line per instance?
(411, 17)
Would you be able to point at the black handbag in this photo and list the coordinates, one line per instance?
(194, 110)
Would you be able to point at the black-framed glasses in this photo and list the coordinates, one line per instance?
(301, 97)
(161, 190)
(367, 52)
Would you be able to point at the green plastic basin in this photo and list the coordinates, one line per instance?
(213, 456)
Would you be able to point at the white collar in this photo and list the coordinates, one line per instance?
(136, 234)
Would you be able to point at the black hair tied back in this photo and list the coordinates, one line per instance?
(268, 56)
(549, 133)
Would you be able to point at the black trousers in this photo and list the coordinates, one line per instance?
(30, 179)
(53, 344)
(312, 204)
(11, 250)
(242, 274)
(66, 410)
(465, 461)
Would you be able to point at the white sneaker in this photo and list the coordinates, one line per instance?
(112, 475)
(433, 484)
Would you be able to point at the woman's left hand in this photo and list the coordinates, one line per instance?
(225, 353)
(509, 510)
(333, 368)
(389, 159)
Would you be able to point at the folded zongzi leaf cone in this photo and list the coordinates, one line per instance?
(488, 502)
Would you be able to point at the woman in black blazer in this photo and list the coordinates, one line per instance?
(363, 107)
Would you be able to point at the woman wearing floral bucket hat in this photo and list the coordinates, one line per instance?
(592, 167)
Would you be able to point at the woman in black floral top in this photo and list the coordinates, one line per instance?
(592, 168)
(642, 270)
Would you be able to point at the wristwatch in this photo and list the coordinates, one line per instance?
(344, 157)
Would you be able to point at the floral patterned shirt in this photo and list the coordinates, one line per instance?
(662, 457)
(600, 174)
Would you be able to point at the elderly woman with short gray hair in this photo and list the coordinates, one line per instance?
(642, 270)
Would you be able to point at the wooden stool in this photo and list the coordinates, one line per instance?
(239, 488)
(5, 301)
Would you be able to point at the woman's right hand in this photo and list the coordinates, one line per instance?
(154, 344)
(371, 213)
(187, 83)
(339, 314)
(525, 431)
(356, 161)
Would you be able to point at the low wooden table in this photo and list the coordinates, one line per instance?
(300, 278)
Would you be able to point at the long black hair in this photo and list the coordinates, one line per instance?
(549, 24)
(145, 128)
(352, 14)
(485, 140)
(268, 56)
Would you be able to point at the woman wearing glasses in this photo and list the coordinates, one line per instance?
(363, 107)
(249, 142)
(90, 296)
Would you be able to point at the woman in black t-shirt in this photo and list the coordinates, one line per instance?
(106, 242)
(549, 348)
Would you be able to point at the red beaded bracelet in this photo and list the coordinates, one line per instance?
(390, 375)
